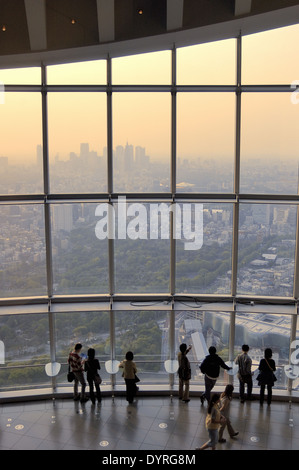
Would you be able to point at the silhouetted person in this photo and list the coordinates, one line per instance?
(91, 366)
(266, 376)
(184, 372)
(244, 363)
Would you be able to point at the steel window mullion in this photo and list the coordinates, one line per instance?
(110, 173)
(173, 173)
(236, 174)
(47, 216)
(47, 213)
(296, 267)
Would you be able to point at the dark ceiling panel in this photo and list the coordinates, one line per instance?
(62, 33)
(130, 23)
(15, 39)
(203, 12)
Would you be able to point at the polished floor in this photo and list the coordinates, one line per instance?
(152, 423)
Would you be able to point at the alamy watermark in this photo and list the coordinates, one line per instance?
(153, 221)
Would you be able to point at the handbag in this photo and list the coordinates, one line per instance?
(136, 379)
(97, 379)
(273, 375)
(70, 375)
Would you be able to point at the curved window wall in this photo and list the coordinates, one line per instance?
(148, 201)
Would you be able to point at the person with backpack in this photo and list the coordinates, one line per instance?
(184, 372)
(210, 367)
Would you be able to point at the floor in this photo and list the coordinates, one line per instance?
(152, 423)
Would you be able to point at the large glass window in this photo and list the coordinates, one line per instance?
(145, 333)
(137, 69)
(205, 142)
(266, 249)
(203, 256)
(268, 57)
(21, 156)
(212, 63)
(78, 73)
(80, 258)
(269, 155)
(142, 247)
(141, 139)
(77, 142)
(23, 250)
(25, 348)
(144, 202)
(261, 331)
(91, 329)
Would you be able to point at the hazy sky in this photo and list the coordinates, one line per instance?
(205, 123)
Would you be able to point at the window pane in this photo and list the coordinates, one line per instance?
(269, 148)
(266, 249)
(206, 269)
(21, 76)
(21, 138)
(77, 137)
(145, 334)
(79, 73)
(22, 254)
(203, 329)
(26, 343)
(261, 331)
(207, 64)
(142, 248)
(268, 57)
(91, 329)
(80, 259)
(205, 163)
(141, 131)
(144, 69)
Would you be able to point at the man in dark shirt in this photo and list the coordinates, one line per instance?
(210, 367)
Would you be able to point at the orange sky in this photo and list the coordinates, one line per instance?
(205, 124)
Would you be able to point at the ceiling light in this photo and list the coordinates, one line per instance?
(140, 11)
(3, 28)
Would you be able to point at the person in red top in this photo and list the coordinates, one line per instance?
(75, 362)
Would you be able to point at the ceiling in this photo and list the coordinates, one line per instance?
(38, 28)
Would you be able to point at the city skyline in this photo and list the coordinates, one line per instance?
(269, 120)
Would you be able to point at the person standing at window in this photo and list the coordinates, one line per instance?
(244, 363)
(266, 376)
(75, 362)
(129, 374)
(91, 366)
(184, 372)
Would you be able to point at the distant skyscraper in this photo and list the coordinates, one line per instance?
(140, 156)
(39, 155)
(62, 217)
(84, 150)
(129, 157)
